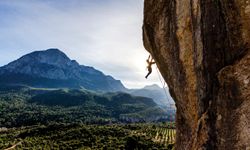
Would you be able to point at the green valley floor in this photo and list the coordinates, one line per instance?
(87, 137)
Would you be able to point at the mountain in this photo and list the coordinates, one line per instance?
(25, 106)
(156, 93)
(53, 69)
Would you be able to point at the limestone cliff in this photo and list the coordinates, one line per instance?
(201, 48)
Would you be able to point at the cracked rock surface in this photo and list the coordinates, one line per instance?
(201, 48)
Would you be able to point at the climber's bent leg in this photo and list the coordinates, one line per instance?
(148, 74)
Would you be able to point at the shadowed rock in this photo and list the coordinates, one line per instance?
(202, 50)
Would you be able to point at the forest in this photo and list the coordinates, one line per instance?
(79, 136)
(35, 118)
(25, 106)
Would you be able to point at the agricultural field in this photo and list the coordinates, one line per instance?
(87, 137)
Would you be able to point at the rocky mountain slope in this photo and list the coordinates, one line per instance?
(202, 50)
(155, 92)
(52, 68)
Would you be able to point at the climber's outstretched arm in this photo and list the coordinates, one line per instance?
(149, 57)
(148, 60)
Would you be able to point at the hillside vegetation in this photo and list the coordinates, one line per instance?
(78, 136)
(24, 106)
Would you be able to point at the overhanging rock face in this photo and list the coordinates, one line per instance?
(201, 48)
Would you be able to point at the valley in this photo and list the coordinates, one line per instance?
(49, 101)
(25, 106)
(85, 137)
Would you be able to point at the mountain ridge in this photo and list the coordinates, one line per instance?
(155, 92)
(54, 66)
(74, 106)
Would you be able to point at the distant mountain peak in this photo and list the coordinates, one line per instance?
(153, 86)
(52, 53)
(53, 50)
(53, 64)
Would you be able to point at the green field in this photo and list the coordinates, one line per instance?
(79, 136)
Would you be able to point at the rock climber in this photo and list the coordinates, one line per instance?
(150, 62)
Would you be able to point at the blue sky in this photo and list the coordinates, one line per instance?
(105, 34)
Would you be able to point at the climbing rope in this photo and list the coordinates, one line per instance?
(170, 126)
(163, 86)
